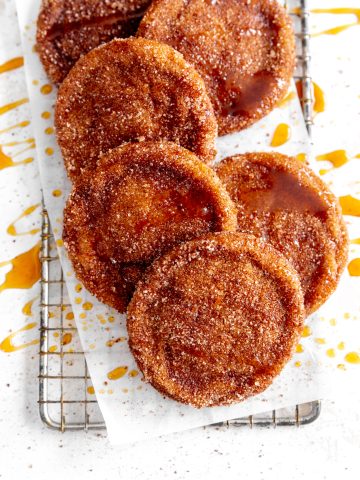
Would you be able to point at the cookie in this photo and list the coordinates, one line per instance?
(281, 200)
(68, 29)
(216, 319)
(143, 199)
(243, 49)
(131, 90)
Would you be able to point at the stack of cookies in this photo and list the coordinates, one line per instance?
(216, 265)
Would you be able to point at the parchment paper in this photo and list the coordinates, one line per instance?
(132, 409)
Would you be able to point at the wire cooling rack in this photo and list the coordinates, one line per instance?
(66, 398)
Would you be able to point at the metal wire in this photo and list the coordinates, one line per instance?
(59, 409)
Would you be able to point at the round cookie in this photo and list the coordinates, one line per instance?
(281, 200)
(68, 29)
(131, 90)
(143, 199)
(216, 319)
(243, 49)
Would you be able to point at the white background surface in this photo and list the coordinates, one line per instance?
(327, 449)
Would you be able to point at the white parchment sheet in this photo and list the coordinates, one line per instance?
(132, 409)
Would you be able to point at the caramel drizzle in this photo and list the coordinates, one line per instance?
(25, 270)
(338, 11)
(11, 230)
(11, 106)
(60, 30)
(7, 345)
(26, 123)
(27, 308)
(12, 64)
(7, 162)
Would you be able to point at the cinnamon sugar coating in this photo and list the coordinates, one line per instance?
(216, 319)
(68, 29)
(143, 199)
(243, 49)
(284, 202)
(131, 90)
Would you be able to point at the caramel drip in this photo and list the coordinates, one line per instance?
(23, 124)
(337, 158)
(27, 308)
(30, 141)
(338, 11)
(46, 89)
(11, 106)
(12, 64)
(283, 103)
(318, 96)
(110, 343)
(7, 345)
(330, 353)
(352, 357)
(11, 230)
(350, 205)
(281, 135)
(25, 271)
(67, 338)
(117, 373)
(306, 331)
(7, 162)
(354, 267)
(302, 157)
(61, 30)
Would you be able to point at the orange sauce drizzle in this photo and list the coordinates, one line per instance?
(12, 64)
(302, 157)
(337, 158)
(306, 331)
(350, 205)
(338, 11)
(23, 124)
(281, 135)
(7, 345)
(355, 241)
(117, 373)
(352, 357)
(90, 390)
(7, 162)
(46, 89)
(11, 230)
(110, 343)
(318, 96)
(27, 308)
(25, 271)
(30, 141)
(67, 338)
(354, 267)
(330, 353)
(288, 97)
(11, 106)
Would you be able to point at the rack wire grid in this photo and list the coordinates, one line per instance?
(66, 400)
